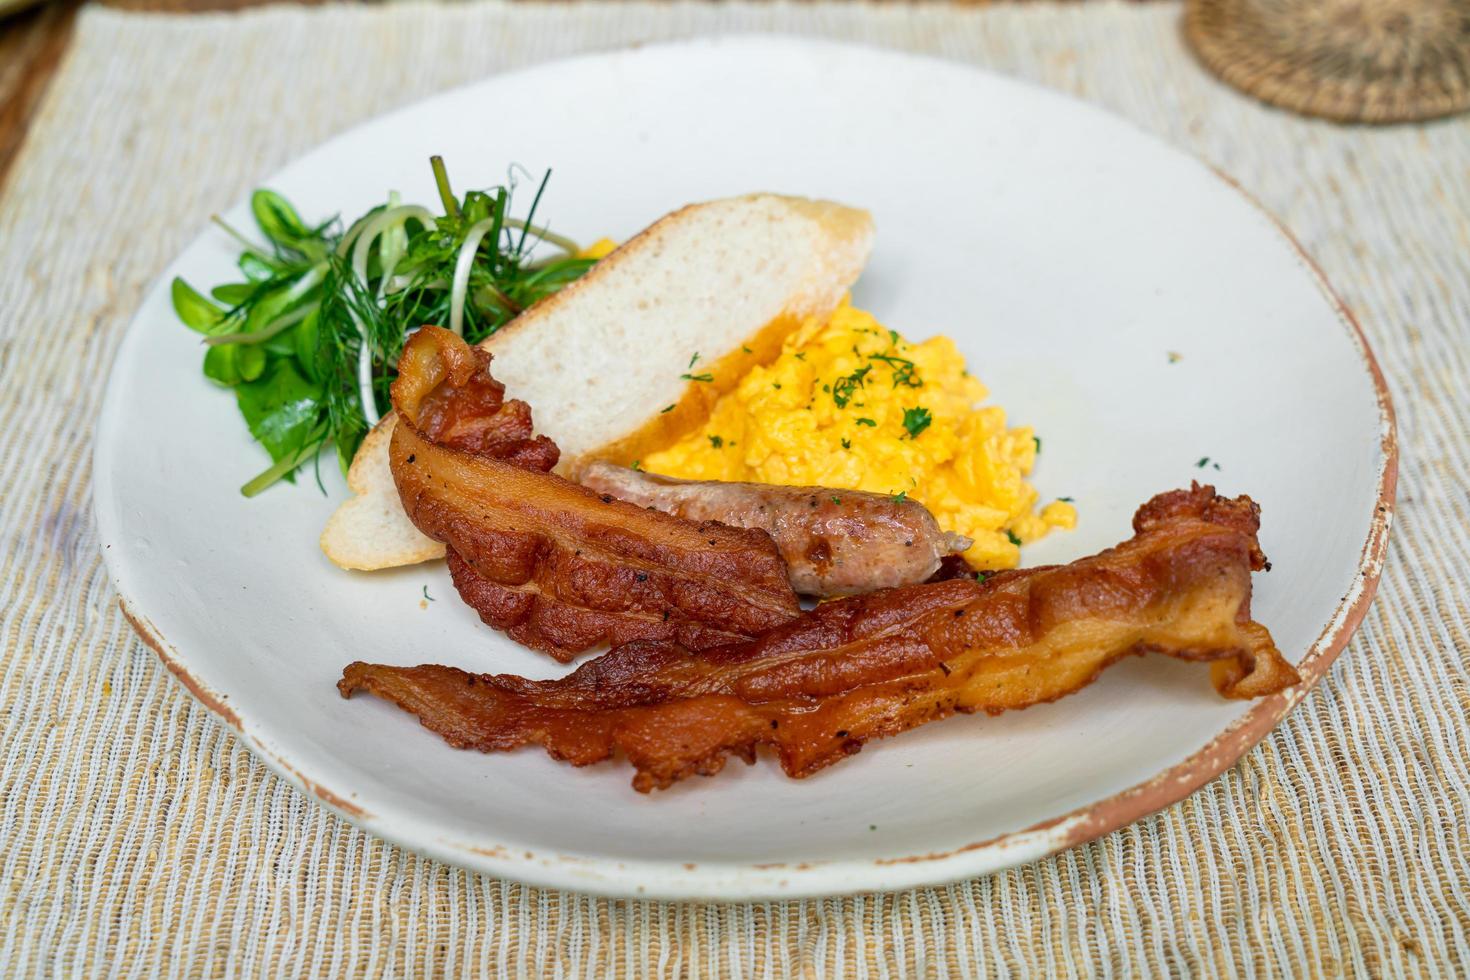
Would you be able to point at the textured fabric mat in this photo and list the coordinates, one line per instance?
(139, 836)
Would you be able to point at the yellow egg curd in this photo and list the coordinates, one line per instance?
(850, 404)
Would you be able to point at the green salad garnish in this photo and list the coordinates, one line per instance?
(310, 340)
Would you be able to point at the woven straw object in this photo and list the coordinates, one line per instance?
(1372, 61)
(139, 837)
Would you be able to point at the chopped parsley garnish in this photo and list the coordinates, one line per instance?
(867, 422)
(693, 359)
(847, 444)
(1011, 536)
(837, 500)
(776, 385)
(1037, 440)
(893, 337)
(981, 576)
(746, 349)
(916, 420)
(427, 597)
(844, 388)
(801, 355)
(1065, 500)
(900, 497)
(697, 377)
(666, 410)
(716, 441)
(903, 370)
(1203, 462)
(637, 464)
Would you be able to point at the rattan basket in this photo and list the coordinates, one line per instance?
(1372, 61)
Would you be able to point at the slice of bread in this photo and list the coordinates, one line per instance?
(635, 353)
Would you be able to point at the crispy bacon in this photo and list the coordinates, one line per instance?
(556, 566)
(870, 666)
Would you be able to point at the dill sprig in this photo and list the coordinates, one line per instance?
(310, 341)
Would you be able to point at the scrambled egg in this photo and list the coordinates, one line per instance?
(852, 405)
(597, 249)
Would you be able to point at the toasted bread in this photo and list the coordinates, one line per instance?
(609, 364)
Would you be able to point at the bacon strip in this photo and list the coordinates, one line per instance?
(556, 566)
(870, 666)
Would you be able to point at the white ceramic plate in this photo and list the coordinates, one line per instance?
(1063, 250)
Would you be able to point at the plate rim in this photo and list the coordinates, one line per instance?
(730, 881)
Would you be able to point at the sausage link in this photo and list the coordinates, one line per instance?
(834, 542)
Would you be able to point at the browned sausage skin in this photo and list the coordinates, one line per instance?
(834, 542)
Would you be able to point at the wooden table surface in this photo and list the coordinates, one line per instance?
(32, 42)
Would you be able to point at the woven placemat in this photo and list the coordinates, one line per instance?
(138, 835)
(1373, 61)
